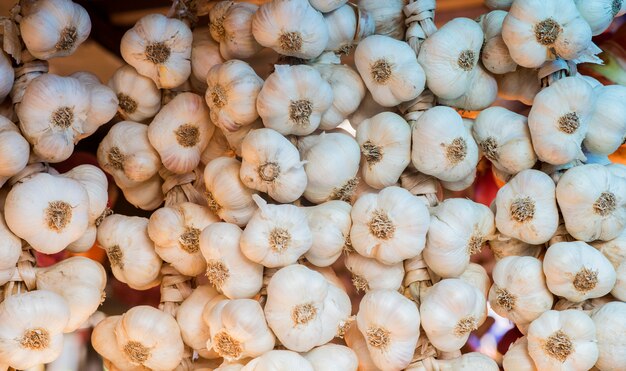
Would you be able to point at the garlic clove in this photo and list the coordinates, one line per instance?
(7, 76)
(279, 360)
(369, 274)
(95, 183)
(332, 357)
(517, 357)
(607, 129)
(610, 321)
(193, 330)
(330, 226)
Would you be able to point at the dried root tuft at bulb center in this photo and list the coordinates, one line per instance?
(569, 123)
(136, 352)
(35, 339)
(279, 239)
(605, 204)
(67, 39)
(522, 209)
(217, 273)
(227, 346)
(456, 151)
(303, 313)
(465, 326)
(466, 60)
(558, 346)
(187, 135)
(290, 41)
(157, 52)
(300, 112)
(547, 31)
(58, 215)
(63, 117)
(505, 299)
(378, 337)
(381, 226)
(381, 71)
(189, 241)
(126, 103)
(372, 153)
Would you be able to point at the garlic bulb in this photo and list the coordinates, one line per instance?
(235, 138)
(577, 271)
(233, 29)
(452, 68)
(226, 195)
(535, 32)
(228, 270)
(14, 149)
(48, 220)
(369, 274)
(326, 6)
(559, 120)
(205, 53)
(442, 146)
(94, 181)
(389, 226)
(563, 340)
(146, 195)
(291, 27)
(356, 341)
(331, 164)
(593, 203)
(130, 250)
(385, 142)
(599, 14)
(332, 357)
(499, 4)
(526, 207)
(138, 97)
(193, 330)
(504, 138)
(159, 48)
(104, 342)
(126, 153)
(303, 309)
(279, 360)
(150, 338)
(231, 94)
(346, 26)
(7, 76)
(519, 290)
(277, 235)
(390, 324)
(389, 69)
(388, 16)
(522, 85)
(294, 98)
(271, 164)
(175, 232)
(495, 54)
(607, 127)
(458, 229)
(517, 357)
(451, 310)
(477, 276)
(180, 132)
(330, 227)
(11, 249)
(503, 246)
(103, 102)
(610, 321)
(54, 28)
(239, 330)
(467, 361)
(31, 328)
(615, 251)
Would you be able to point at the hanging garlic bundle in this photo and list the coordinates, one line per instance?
(330, 224)
(607, 126)
(138, 97)
(369, 274)
(495, 54)
(231, 26)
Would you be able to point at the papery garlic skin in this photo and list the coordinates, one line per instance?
(217, 147)
(279, 360)
(388, 16)
(389, 226)
(450, 311)
(607, 127)
(563, 340)
(303, 309)
(104, 342)
(231, 94)
(535, 32)
(526, 207)
(502, 246)
(369, 274)
(293, 99)
(150, 338)
(593, 202)
(610, 321)
(332, 357)
(159, 48)
(385, 141)
(458, 229)
(600, 14)
(138, 97)
(517, 357)
(330, 227)
(193, 330)
(31, 328)
(292, 28)
(228, 270)
(14, 149)
(389, 69)
(54, 28)
(271, 164)
(577, 271)
(59, 206)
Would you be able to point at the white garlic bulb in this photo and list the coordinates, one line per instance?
(342, 23)
(271, 164)
(504, 138)
(103, 102)
(389, 69)
(517, 357)
(477, 276)
(526, 207)
(390, 324)
(159, 48)
(610, 321)
(150, 338)
(180, 132)
(231, 94)
(130, 250)
(61, 213)
(303, 309)
(577, 271)
(138, 97)
(332, 357)
(205, 53)
(233, 28)
(369, 274)
(291, 27)
(279, 360)
(193, 330)
(607, 127)
(467, 361)
(535, 32)
(495, 54)
(10, 252)
(14, 149)
(175, 231)
(519, 290)
(385, 141)
(294, 98)
(276, 235)
(442, 146)
(331, 165)
(593, 203)
(459, 228)
(7, 76)
(389, 226)
(94, 181)
(330, 226)
(31, 328)
(326, 6)
(356, 341)
(228, 270)
(563, 340)
(499, 4)
(451, 310)
(104, 342)
(522, 85)
(147, 195)
(600, 14)
(388, 16)
(615, 251)
(54, 28)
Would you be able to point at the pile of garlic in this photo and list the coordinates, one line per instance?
(290, 139)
